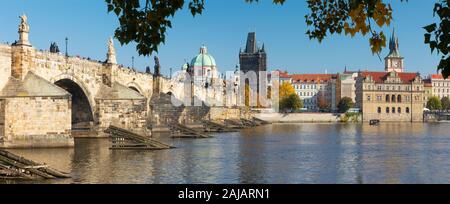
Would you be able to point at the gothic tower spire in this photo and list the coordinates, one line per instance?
(394, 61)
(251, 43)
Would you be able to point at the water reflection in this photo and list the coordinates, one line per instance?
(282, 153)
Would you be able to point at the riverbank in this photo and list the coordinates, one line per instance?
(299, 117)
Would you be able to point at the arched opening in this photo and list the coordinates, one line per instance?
(82, 114)
(393, 98)
(134, 89)
(388, 98)
(399, 98)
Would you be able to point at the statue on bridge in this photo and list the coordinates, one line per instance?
(54, 47)
(24, 27)
(157, 67)
(111, 56)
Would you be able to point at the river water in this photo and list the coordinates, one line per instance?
(274, 154)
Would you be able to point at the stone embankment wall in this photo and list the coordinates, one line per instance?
(49, 125)
(128, 114)
(299, 117)
(163, 112)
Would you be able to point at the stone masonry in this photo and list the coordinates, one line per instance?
(44, 95)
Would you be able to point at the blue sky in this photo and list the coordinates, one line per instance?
(223, 28)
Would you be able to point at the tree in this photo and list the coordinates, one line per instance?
(445, 102)
(146, 22)
(441, 34)
(247, 95)
(434, 103)
(345, 104)
(292, 102)
(322, 102)
(286, 89)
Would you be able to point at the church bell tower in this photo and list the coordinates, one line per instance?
(394, 61)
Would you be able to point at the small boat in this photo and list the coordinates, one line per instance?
(374, 122)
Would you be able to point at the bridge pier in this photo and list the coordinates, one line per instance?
(33, 111)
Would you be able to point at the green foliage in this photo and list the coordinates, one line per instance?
(353, 117)
(438, 36)
(145, 22)
(351, 17)
(434, 103)
(292, 102)
(445, 102)
(345, 104)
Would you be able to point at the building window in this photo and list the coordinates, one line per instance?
(399, 110)
(379, 110)
(399, 98)
(387, 109)
(379, 98)
(393, 98)
(388, 98)
(407, 110)
(393, 109)
(368, 98)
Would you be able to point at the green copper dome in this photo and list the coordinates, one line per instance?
(203, 59)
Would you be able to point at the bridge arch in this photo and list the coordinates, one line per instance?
(82, 106)
(136, 87)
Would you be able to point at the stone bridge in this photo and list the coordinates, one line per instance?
(47, 98)
(46, 95)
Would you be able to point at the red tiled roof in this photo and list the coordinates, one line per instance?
(283, 74)
(313, 77)
(380, 77)
(437, 76)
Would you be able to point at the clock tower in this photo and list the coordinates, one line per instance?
(394, 61)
